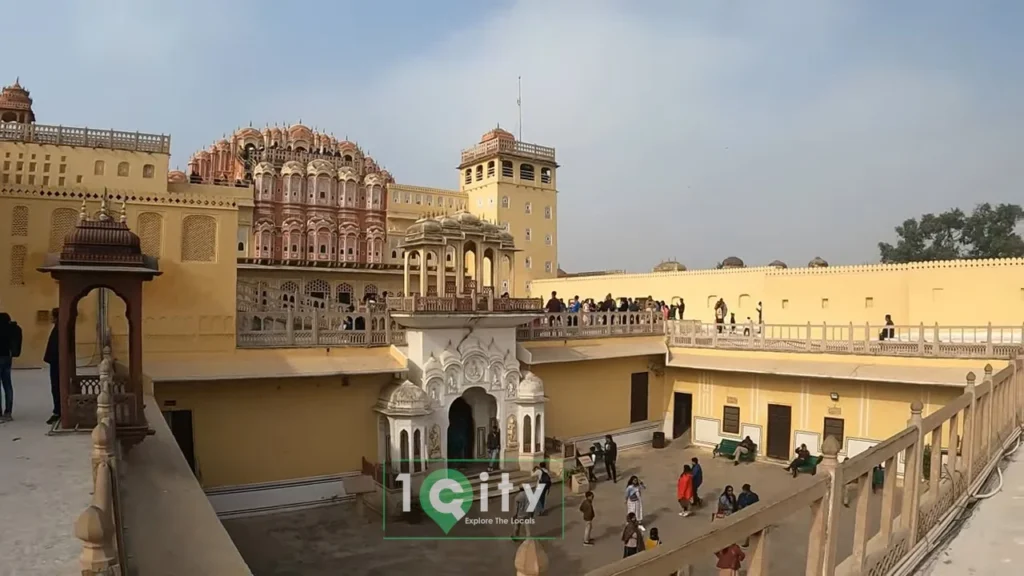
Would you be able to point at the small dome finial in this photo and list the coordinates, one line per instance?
(83, 213)
(104, 214)
(124, 212)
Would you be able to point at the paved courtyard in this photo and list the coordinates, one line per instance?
(332, 540)
(44, 485)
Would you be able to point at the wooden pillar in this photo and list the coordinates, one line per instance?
(66, 345)
(133, 306)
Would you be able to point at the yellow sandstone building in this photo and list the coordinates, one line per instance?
(264, 332)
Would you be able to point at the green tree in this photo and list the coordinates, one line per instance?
(989, 232)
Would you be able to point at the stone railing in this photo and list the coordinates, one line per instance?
(480, 302)
(944, 459)
(311, 327)
(85, 137)
(921, 340)
(510, 147)
(567, 325)
(99, 526)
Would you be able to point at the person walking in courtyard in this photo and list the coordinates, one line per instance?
(587, 508)
(523, 516)
(698, 479)
(730, 560)
(727, 503)
(611, 453)
(493, 449)
(52, 357)
(634, 499)
(544, 484)
(684, 490)
(10, 348)
(632, 536)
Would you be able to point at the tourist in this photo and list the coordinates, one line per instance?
(52, 357)
(746, 498)
(802, 456)
(634, 498)
(523, 515)
(544, 484)
(681, 310)
(730, 560)
(684, 490)
(720, 309)
(887, 333)
(653, 539)
(760, 316)
(611, 453)
(553, 306)
(493, 449)
(698, 479)
(746, 446)
(732, 322)
(727, 503)
(587, 508)
(10, 348)
(632, 536)
(746, 328)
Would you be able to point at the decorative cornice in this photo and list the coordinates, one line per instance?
(157, 199)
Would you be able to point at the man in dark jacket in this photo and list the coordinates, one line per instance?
(611, 453)
(7, 354)
(52, 357)
(493, 449)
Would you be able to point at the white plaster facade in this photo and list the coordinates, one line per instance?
(479, 366)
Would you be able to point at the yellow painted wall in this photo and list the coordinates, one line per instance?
(957, 293)
(29, 164)
(191, 305)
(594, 396)
(278, 429)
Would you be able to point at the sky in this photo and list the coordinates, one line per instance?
(689, 130)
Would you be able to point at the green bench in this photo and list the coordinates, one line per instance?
(809, 467)
(727, 449)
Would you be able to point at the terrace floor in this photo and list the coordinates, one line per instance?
(45, 484)
(334, 540)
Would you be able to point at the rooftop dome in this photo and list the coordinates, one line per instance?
(497, 134)
(249, 132)
(176, 176)
(102, 241)
(818, 262)
(669, 266)
(16, 104)
(531, 388)
(405, 399)
(300, 132)
(424, 226)
(732, 262)
(449, 224)
(506, 236)
(778, 264)
(467, 219)
(223, 145)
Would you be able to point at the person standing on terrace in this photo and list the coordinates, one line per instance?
(553, 306)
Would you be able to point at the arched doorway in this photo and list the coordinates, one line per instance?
(470, 416)
(460, 430)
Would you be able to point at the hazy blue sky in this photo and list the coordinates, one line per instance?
(694, 130)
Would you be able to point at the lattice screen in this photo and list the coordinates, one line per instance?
(19, 221)
(198, 238)
(19, 253)
(150, 230)
(62, 222)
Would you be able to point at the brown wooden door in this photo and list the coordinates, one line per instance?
(780, 420)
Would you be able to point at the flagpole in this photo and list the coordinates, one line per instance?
(519, 102)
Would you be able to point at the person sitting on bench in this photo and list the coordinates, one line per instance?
(745, 447)
(802, 456)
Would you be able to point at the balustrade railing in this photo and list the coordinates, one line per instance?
(99, 526)
(480, 302)
(940, 341)
(563, 325)
(926, 474)
(85, 137)
(311, 327)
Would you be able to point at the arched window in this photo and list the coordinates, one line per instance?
(198, 238)
(527, 434)
(528, 263)
(479, 173)
(529, 207)
(123, 169)
(504, 201)
(490, 169)
(529, 235)
(526, 171)
(417, 451)
(547, 212)
(344, 293)
(148, 170)
(469, 175)
(545, 175)
(547, 239)
(403, 451)
(506, 169)
(98, 167)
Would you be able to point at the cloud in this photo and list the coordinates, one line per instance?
(767, 130)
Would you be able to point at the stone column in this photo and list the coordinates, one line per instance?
(460, 268)
(423, 272)
(512, 274)
(442, 269)
(405, 277)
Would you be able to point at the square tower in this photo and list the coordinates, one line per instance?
(514, 185)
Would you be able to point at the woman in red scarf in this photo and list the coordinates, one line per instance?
(684, 490)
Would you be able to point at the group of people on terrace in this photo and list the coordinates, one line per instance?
(10, 348)
(557, 305)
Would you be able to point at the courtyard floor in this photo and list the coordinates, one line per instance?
(333, 540)
(45, 483)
